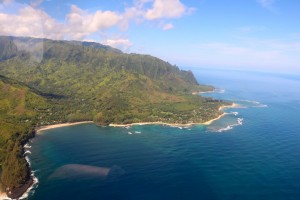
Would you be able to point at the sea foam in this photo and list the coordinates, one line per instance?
(229, 127)
(27, 146)
(252, 103)
(30, 190)
(234, 113)
(27, 152)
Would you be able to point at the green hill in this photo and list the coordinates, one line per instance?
(20, 109)
(67, 81)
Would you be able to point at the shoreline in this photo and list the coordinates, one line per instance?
(48, 127)
(21, 191)
(168, 124)
(28, 185)
(233, 105)
(212, 120)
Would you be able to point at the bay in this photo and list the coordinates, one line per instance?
(251, 153)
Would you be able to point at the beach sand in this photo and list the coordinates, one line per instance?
(234, 105)
(212, 120)
(43, 128)
(167, 124)
(148, 123)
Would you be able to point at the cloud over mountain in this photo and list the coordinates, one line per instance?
(20, 19)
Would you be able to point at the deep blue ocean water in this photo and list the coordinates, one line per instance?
(252, 153)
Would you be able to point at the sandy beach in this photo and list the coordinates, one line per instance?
(233, 105)
(167, 124)
(212, 120)
(43, 128)
(149, 123)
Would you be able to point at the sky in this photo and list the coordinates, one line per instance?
(235, 34)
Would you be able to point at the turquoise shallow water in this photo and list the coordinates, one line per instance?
(251, 153)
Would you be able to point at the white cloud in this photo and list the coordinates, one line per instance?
(154, 10)
(165, 9)
(34, 22)
(135, 13)
(168, 26)
(29, 20)
(81, 23)
(123, 44)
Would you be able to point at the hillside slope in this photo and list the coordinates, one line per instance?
(20, 108)
(96, 80)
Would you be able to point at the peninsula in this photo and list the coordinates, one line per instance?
(46, 82)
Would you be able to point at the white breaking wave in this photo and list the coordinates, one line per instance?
(28, 161)
(27, 146)
(262, 106)
(27, 152)
(234, 113)
(225, 129)
(229, 127)
(240, 121)
(34, 184)
(30, 189)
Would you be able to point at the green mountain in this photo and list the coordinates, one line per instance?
(67, 81)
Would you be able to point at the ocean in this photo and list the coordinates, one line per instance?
(252, 153)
